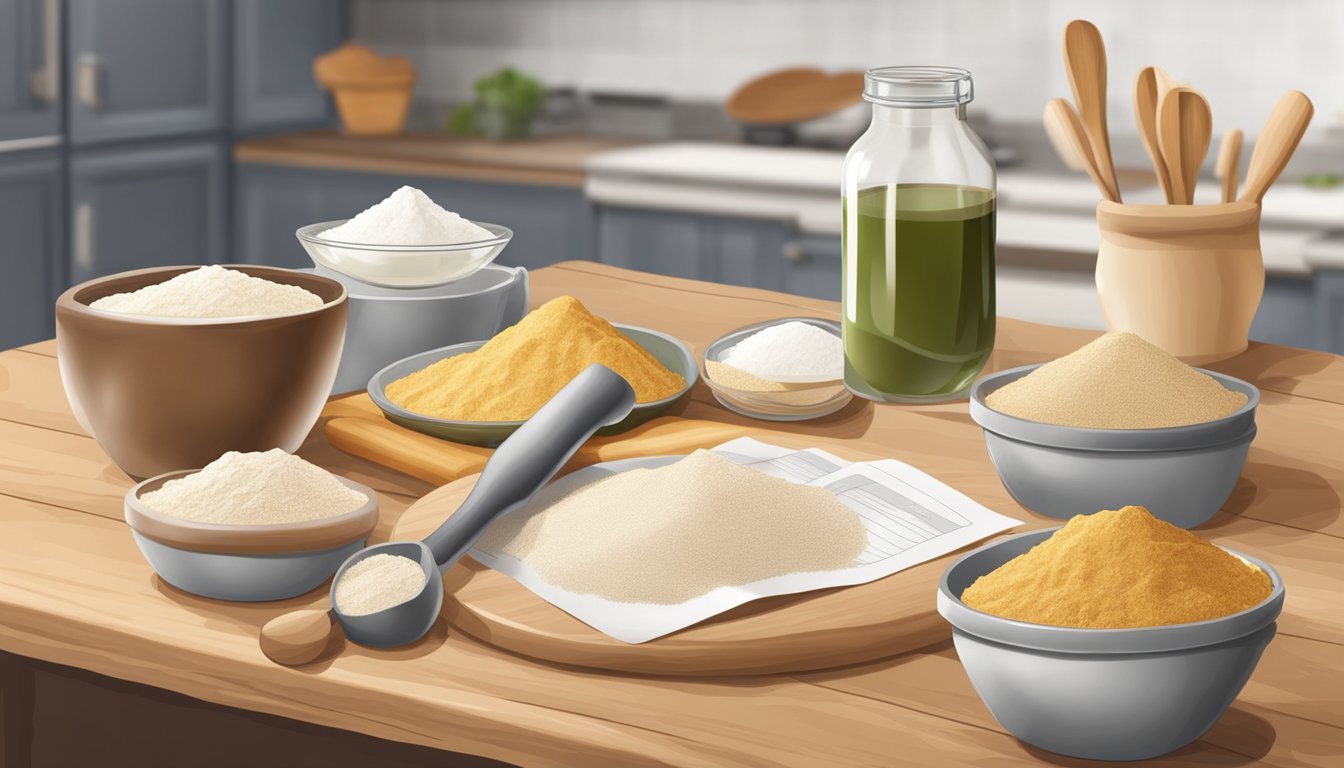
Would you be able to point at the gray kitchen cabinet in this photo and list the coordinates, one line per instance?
(274, 44)
(811, 267)
(30, 76)
(32, 204)
(142, 207)
(1329, 310)
(145, 68)
(550, 224)
(758, 253)
(1286, 313)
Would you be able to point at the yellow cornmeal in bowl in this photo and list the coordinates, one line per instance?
(522, 367)
(1119, 381)
(1120, 569)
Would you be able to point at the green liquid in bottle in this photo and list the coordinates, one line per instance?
(918, 289)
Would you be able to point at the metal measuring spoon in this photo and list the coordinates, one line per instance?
(521, 465)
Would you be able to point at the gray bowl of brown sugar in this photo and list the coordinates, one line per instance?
(1182, 474)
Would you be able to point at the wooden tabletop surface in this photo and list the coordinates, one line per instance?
(546, 160)
(74, 589)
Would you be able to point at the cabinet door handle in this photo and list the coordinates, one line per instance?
(84, 258)
(46, 82)
(794, 252)
(86, 83)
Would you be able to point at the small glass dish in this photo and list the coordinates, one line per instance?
(782, 402)
(402, 266)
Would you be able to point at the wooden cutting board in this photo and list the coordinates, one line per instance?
(355, 425)
(791, 633)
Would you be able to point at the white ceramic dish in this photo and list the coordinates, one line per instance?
(402, 266)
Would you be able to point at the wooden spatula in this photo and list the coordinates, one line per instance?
(1229, 163)
(1061, 119)
(1085, 60)
(1276, 143)
(1184, 128)
(1146, 92)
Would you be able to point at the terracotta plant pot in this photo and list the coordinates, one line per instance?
(1187, 278)
(161, 394)
(372, 92)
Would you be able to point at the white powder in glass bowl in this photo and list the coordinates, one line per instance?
(407, 217)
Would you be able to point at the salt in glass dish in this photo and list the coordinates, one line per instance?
(403, 266)
(798, 402)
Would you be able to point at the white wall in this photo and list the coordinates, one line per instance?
(1242, 53)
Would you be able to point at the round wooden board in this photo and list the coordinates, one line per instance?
(790, 633)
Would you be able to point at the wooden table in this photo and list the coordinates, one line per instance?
(75, 591)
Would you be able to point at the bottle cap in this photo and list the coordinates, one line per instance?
(917, 87)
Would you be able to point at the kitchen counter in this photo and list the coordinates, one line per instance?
(545, 160)
(75, 591)
(1036, 210)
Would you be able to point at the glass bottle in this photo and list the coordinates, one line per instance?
(918, 240)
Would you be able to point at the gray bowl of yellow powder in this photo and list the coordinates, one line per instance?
(1124, 693)
(521, 368)
(1118, 422)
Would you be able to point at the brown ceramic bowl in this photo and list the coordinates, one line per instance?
(162, 393)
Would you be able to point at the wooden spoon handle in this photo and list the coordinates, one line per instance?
(1085, 60)
(1146, 93)
(1185, 126)
(1067, 124)
(1229, 163)
(1276, 143)
(297, 637)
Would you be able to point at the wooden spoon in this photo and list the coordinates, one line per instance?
(1060, 118)
(1229, 163)
(1085, 60)
(297, 637)
(1146, 92)
(1061, 138)
(1184, 128)
(1276, 143)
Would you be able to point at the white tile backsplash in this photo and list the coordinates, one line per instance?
(1242, 53)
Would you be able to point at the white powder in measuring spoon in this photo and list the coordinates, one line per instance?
(789, 351)
(666, 535)
(212, 291)
(263, 488)
(377, 583)
(407, 217)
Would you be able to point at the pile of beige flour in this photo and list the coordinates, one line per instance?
(1119, 381)
(378, 582)
(670, 534)
(265, 488)
(212, 291)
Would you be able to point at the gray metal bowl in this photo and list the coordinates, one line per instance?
(666, 349)
(388, 324)
(246, 563)
(1103, 694)
(1181, 474)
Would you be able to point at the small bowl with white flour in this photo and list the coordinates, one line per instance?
(791, 369)
(250, 526)
(405, 241)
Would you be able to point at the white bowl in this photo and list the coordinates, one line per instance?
(402, 266)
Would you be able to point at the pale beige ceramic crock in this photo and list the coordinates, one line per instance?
(1187, 278)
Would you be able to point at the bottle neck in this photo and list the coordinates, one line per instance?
(918, 118)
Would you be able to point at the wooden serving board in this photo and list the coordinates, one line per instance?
(790, 633)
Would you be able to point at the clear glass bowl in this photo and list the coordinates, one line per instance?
(790, 402)
(402, 266)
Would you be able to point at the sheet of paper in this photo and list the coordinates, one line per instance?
(910, 518)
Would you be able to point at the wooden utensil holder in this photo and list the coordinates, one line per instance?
(1187, 278)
